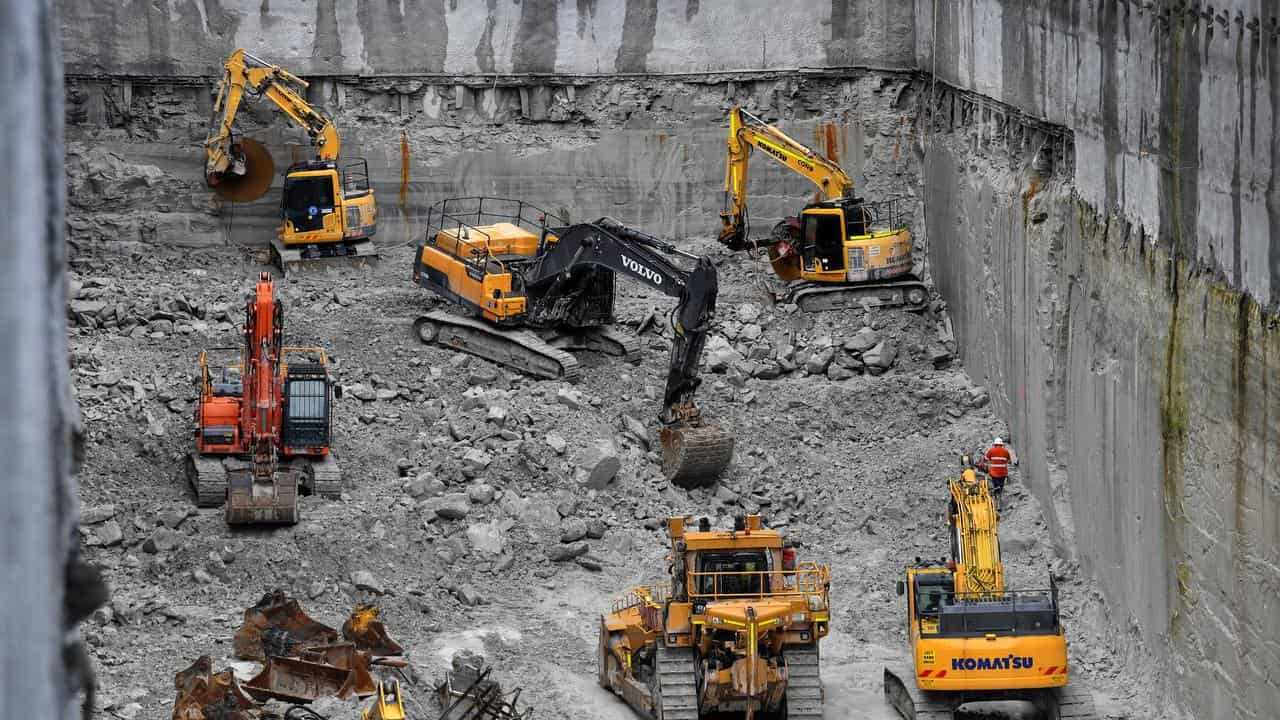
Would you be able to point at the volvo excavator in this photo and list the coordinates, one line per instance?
(263, 421)
(531, 285)
(326, 211)
(842, 251)
(736, 630)
(972, 639)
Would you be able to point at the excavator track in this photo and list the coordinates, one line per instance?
(604, 339)
(676, 689)
(1072, 702)
(320, 476)
(302, 258)
(902, 692)
(815, 298)
(518, 349)
(208, 478)
(695, 455)
(804, 685)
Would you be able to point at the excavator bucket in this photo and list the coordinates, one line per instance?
(255, 501)
(205, 695)
(249, 176)
(277, 626)
(302, 681)
(695, 455)
(368, 633)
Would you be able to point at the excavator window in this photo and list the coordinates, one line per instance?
(732, 572)
(307, 200)
(822, 242)
(931, 590)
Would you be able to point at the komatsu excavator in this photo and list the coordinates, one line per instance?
(263, 421)
(972, 639)
(516, 269)
(841, 252)
(736, 629)
(325, 213)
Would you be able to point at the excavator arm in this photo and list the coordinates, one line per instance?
(229, 162)
(746, 131)
(975, 525)
(693, 450)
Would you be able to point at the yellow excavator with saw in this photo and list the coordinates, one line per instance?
(326, 211)
(842, 251)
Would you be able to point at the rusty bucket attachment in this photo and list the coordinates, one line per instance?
(302, 681)
(467, 693)
(249, 176)
(277, 626)
(695, 454)
(368, 633)
(262, 500)
(204, 695)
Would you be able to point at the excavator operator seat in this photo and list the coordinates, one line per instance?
(732, 572)
(229, 383)
(822, 242)
(932, 590)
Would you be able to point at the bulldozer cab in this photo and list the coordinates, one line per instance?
(730, 573)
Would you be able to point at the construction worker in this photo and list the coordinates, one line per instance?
(996, 464)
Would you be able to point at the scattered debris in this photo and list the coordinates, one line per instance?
(467, 693)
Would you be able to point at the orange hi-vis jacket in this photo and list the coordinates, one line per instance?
(998, 458)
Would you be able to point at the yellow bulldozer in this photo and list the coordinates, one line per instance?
(973, 640)
(736, 629)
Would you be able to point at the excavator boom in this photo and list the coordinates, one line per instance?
(746, 131)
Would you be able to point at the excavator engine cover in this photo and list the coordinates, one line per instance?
(250, 176)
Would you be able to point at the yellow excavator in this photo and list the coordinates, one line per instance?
(326, 211)
(972, 639)
(842, 251)
(735, 631)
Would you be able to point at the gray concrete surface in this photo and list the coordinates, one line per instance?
(36, 514)
(535, 36)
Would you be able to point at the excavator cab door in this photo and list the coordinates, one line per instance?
(822, 236)
(308, 199)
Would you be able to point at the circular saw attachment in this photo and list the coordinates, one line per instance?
(249, 176)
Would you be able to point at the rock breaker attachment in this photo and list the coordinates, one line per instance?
(277, 626)
(695, 454)
(368, 633)
(467, 693)
(205, 695)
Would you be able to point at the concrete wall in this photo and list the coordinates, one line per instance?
(1101, 301)
(37, 516)
(310, 37)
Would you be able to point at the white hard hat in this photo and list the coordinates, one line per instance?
(998, 441)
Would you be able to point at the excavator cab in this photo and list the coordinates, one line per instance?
(307, 200)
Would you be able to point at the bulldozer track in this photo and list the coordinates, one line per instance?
(815, 298)
(208, 480)
(695, 456)
(677, 687)
(901, 691)
(321, 476)
(518, 349)
(804, 683)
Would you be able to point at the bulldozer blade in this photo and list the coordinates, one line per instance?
(368, 633)
(251, 176)
(278, 626)
(205, 695)
(695, 455)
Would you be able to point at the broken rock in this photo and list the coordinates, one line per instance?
(565, 553)
(453, 506)
(365, 580)
(598, 464)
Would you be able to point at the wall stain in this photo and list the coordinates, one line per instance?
(638, 28)
(690, 9)
(326, 51)
(484, 48)
(1110, 80)
(586, 17)
(404, 35)
(537, 37)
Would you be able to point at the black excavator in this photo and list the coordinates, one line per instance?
(531, 286)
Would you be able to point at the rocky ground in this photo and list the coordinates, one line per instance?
(479, 506)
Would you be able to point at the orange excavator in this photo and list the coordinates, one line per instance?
(263, 421)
